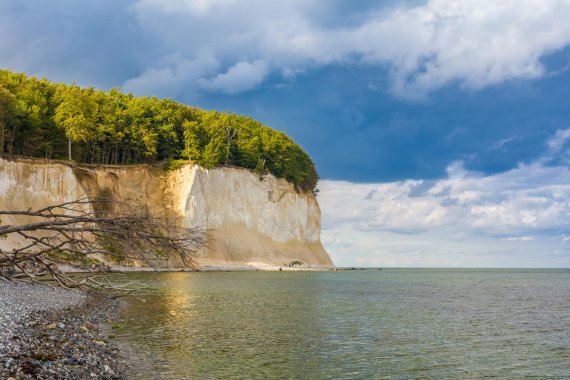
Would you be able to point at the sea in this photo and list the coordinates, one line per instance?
(350, 324)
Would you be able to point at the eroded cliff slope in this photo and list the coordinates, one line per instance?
(248, 221)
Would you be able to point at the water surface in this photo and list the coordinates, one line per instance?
(394, 324)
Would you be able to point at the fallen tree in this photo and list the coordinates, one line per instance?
(76, 233)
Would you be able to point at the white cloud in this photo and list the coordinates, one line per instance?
(526, 199)
(475, 43)
(520, 238)
(240, 77)
(422, 45)
(189, 7)
(558, 152)
(557, 142)
(463, 220)
(173, 77)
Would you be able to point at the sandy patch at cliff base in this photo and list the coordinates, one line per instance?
(269, 267)
(258, 266)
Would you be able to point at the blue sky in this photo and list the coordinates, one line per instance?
(440, 128)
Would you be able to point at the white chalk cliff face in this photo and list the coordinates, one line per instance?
(248, 221)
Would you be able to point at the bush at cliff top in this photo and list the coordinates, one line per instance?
(39, 118)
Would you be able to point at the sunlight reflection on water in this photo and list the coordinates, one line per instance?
(366, 324)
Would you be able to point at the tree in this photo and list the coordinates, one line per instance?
(75, 114)
(72, 232)
(7, 114)
(214, 153)
(143, 137)
(230, 135)
(193, 141)
(170, 118)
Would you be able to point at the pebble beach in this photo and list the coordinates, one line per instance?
(50, 333)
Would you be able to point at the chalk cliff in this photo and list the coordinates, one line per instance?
(248, 221)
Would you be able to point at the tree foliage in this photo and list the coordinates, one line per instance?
(39, 118)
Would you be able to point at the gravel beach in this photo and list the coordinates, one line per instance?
(56, 334)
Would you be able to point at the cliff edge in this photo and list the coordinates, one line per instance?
(248, 221)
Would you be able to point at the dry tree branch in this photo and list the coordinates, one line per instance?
(77, 230)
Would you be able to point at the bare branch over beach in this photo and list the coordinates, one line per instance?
(80, 232)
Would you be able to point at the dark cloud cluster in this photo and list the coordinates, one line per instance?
(375, 91)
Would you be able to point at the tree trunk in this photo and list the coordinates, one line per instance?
(11, 138)
(1, 139)
(69, 148)
(230, 134)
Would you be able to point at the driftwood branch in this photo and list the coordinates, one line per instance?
(82, 230)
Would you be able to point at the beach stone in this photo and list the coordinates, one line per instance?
(56, 334)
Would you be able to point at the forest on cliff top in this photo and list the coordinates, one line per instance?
(39, 118)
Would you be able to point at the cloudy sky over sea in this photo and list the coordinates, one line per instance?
(441, 129)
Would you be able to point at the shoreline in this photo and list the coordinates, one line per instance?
(57, 333)
(50, 332)
(246, 267)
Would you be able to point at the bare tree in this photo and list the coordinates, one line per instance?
(230, 135)
(76, 231)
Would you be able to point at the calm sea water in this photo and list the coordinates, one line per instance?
(393, 324)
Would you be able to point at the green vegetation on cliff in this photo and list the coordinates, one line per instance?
(39, 118)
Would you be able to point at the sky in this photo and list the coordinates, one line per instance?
(440, 128)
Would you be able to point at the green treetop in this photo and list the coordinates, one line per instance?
(39, 118)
